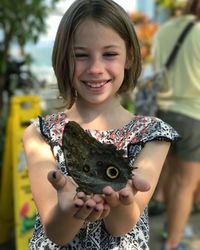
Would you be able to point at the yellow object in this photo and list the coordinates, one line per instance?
(23, 109)
(6, 195)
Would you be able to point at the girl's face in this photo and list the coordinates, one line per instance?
(100, 61)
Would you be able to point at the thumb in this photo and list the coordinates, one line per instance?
(57, 179)
(141, 184)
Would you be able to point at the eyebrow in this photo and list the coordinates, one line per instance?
(106, 47)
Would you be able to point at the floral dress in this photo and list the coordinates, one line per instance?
(132, 138)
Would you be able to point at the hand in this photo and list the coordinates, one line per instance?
(94, 207)
(79, 205)
(126, 195)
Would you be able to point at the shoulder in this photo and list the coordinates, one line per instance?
(33, 141)
(196, 31)
(29, 132)
(50, 126)
(151, 128)
(52, 119)
(173, 25)
(169, 24)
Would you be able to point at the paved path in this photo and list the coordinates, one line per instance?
(156, 225)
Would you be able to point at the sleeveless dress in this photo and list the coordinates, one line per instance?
(93, 235)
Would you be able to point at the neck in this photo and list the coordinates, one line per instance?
(88, 112)
(102, 116)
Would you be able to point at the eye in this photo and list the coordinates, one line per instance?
(110, 54)
(86, 169)
(112, 172)
(81, 55)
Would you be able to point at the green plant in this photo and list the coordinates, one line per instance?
(21, 21)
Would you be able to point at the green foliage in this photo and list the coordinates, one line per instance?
(24, 18)
(170, 3)
(21, 21)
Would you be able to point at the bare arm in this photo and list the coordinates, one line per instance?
(62, 212)
(128, 204)
(54, 197)
(54, 215)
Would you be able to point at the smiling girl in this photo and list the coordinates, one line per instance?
(96, 57)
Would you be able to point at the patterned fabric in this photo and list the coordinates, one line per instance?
(132, 138)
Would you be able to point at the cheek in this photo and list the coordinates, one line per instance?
(117, 67)
(79, 67)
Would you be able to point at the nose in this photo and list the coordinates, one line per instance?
(95, 66)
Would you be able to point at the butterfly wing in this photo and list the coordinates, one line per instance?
(92, 164)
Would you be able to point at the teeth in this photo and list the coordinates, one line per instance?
(95, 85)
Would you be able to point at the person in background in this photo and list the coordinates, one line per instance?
(96, 57)
(179, 106)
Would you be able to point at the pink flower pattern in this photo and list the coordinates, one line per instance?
(131, 138)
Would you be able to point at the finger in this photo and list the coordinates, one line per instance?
(98, 199)
(81, 195)
(126, 196)
(111, 197)
(96, 213)
(140, 184)
(85, 197)
(57, 179)
(78, 203)
(85, 210)
(105, 212)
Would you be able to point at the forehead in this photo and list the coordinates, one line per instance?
(93, 32)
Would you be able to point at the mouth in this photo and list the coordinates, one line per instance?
(96, 84)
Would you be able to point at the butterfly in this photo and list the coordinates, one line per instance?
(93, 165)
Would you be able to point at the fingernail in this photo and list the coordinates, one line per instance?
(80, 195)
(54, 174)
(105, 208)
(76, 205)
(108, 194)
(125, 196)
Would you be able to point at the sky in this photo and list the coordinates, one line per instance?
(63, 5)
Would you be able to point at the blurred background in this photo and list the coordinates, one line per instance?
(28, 89)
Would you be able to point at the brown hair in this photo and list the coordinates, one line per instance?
(192, 7)
(108, 13)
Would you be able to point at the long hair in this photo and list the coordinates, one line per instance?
(108, 13)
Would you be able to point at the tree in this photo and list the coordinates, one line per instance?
(20, 21)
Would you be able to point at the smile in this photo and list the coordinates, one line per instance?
(95, 84)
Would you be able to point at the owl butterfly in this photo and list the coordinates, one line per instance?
(92, 164)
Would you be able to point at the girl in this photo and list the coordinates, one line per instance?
(96, 57)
